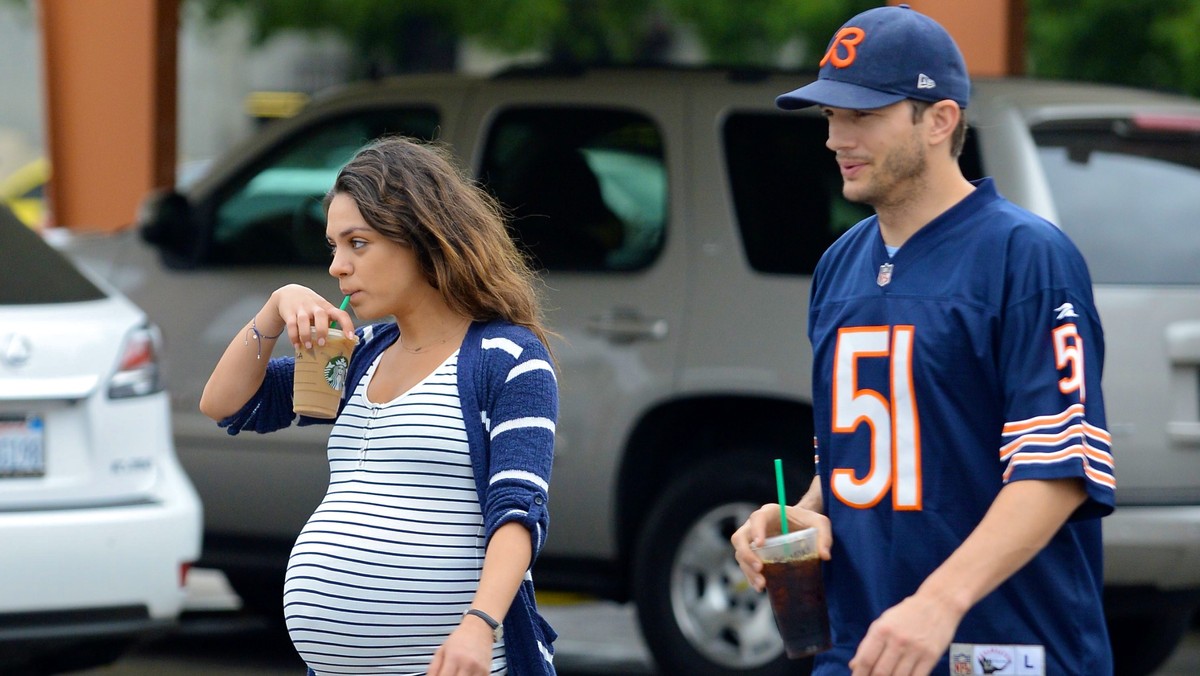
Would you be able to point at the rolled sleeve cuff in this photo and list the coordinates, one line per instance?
(527, 507)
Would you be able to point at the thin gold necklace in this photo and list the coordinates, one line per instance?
(422, 348)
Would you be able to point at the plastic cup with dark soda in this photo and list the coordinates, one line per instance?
(792, 569)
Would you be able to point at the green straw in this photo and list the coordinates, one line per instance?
(782, 500)
(345, 301)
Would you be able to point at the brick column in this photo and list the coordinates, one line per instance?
(109, 70)
(990, 33)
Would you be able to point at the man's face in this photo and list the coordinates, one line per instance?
(880, 152)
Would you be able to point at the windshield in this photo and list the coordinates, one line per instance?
(33, 272)
(1128, 194)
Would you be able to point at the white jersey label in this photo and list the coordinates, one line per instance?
(970, 659)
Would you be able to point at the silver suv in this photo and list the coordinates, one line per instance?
(678, 216)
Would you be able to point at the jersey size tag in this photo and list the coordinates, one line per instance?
(972, 659)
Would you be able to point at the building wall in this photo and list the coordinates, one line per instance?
(218, 68)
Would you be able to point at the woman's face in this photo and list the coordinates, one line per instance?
(381, 276)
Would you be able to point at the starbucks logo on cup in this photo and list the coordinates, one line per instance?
(335, 372)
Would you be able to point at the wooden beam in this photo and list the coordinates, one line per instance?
(109, 70)
(990, 33)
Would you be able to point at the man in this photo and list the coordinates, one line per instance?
(963, 462)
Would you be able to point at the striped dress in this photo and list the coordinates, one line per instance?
(385, 567)
(507, 404)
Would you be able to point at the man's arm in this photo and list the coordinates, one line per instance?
(911, 636)
(813, 501)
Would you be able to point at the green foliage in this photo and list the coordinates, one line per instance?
(742, 32)
(1145, 43)
(1139, 42)
(750, 32)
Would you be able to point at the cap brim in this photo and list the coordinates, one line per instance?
(835, 94)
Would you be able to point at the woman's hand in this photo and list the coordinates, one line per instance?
(306, 315)
(467, 652)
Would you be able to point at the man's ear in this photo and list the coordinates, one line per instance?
(942, 118)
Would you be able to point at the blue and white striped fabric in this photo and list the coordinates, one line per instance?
(509, 402)
(385, 567)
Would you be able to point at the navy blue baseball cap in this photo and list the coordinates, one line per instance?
(882, 56)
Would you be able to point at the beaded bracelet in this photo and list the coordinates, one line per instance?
(258, 335)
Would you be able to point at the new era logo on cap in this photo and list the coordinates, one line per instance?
(883, 56)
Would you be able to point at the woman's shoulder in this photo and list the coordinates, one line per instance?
(380, 331)
(373, 339)
(517, 341)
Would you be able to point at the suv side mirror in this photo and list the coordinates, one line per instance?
(164, 220)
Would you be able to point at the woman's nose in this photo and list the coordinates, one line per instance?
(338, 266)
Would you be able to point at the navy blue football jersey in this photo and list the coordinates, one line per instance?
(970, 359)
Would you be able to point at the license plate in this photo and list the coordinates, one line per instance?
(22, 447)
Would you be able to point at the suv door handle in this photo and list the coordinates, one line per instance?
(627, 326)
(1183, 350)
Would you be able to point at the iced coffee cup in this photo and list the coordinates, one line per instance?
(321, 374)
(792, 569)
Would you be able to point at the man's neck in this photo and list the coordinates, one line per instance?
(900, 221)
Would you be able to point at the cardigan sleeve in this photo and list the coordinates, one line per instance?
(520, 423)
(270, 408)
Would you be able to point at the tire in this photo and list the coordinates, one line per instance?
(698, 614)
(1142, 643)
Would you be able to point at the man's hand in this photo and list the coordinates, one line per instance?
(913, 635)
(764, 521)
(908, 638)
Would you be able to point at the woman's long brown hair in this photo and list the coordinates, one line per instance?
(414, 193)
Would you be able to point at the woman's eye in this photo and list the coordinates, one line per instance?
(357, 243)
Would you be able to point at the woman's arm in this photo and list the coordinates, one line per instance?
(469, 648)
(293, 309)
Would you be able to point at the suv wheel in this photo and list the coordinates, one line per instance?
(698, 613)
(1146, 626)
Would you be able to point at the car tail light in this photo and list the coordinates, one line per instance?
(137, 369)
(1167, 123)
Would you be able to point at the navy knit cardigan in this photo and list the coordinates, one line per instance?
(505, 382)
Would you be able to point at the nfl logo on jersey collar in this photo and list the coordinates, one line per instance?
(885, 274)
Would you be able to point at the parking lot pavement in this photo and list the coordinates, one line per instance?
(595, 638)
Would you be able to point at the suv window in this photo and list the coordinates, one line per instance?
(273, 215)
(586, 188)
(787, 190)
(33, 272)
(1101, 173)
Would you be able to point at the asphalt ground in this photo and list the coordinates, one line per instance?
(595, 638)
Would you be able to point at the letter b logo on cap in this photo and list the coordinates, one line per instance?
(847, 37)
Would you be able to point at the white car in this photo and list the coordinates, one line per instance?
(98, 522)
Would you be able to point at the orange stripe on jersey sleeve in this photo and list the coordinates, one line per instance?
(1020, 426)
